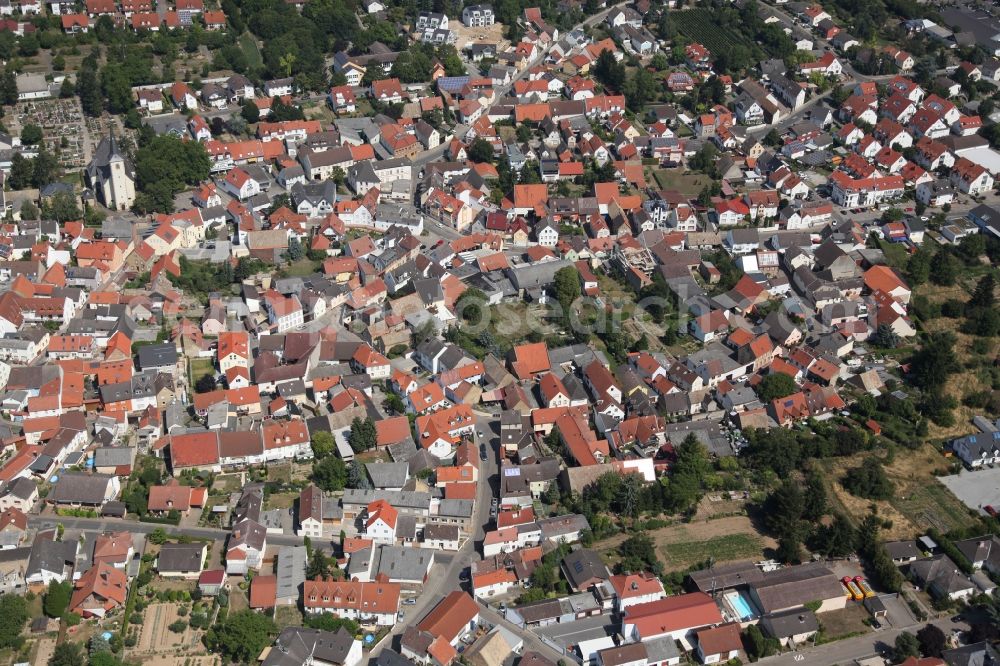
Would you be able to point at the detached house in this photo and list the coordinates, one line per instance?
(970, 178)
(978, 450)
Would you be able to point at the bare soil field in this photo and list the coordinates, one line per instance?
(171, 660)
(43, 651)
(714, 504)
(842, 623)
(488, 35)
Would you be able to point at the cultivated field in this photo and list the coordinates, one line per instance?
(156, 637)
(685, 544)
(287, 616)
(700, 25)
(171, 660)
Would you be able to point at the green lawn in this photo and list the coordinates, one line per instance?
(895, 254)
(303, 268)
(689, 184)
(199, 367)
(287, 616)
(251, 51)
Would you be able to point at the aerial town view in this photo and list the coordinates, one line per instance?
(535, 333)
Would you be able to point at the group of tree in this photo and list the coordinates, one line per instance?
(930, 641)
(868, 480)
(203, 276)
(931, 366)
(36, 172)
(758, 645)
(789, 511)
(683, 489)
(545, 579)
(870, 546)
(637, 554)
(136, 491)
(164, 166)
(13, 615)
(241, 636)
(61, 207)
(363, 435)
(776, 385)
(779, 452)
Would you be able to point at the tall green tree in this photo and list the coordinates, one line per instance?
(242, 635)
(935, 361)
(57, 598)
(944, 267)
(609, 71)
(983, 296)
(67, 654)
(117, 88)
(322, 444)
(932, 641)
(906, 646)
(89, 91)
(8, 87)
(776, 385)
(566, 284)
(330, 474)
(363, 436)
(784, 509)
(480, 150)
(13, 615)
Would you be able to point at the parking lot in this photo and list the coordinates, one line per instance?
(975, 489)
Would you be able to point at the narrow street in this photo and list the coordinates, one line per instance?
(443, 582)
(849, 649)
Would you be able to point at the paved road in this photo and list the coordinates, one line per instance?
(444, 581)
(531, 640)
(106, 524)
(848, 650)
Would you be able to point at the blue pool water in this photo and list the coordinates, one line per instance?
(740, 605)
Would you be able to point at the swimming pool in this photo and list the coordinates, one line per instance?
(740, 606)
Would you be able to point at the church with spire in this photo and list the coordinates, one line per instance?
(111, 175)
